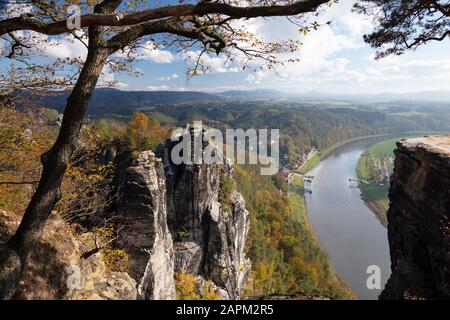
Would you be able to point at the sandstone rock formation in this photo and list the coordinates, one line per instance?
(419, 220)
(209, 239)
(168, 218)
(225, 262)
(87, 279)
(173, 221)
(57, 270)
(145, 235)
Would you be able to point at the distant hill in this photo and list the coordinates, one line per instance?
(254, 94)
(271, 94)
(113, 101)
(435, 96)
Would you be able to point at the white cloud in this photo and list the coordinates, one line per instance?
(157, 88)
(60, 47)
(13, 9)
(316, 56)
(335, 58)
(219, 64)
(374, 72)
(349, 22)
(108, 79)
(69, 47)
(159, 56)
(403, 62)
(148, 51)
(3, 46)
(321, 53)
(257, 77)
(164, 88)
(167, 78)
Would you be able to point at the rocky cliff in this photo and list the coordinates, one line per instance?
(209, 237)
(418, 220)
(144, 232)
(172, 221)
(164, 218)
(58, 269)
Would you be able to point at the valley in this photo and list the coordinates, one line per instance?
(347, 230)
(314, 238)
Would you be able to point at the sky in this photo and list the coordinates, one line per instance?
(333, 59)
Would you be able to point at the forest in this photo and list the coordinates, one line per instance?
(285, 256)
(322, 124)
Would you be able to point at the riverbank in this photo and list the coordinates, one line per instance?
(285, 255)
(374, 169)
(321, 154)
(346, 228)
(330, 242)
(297, 204)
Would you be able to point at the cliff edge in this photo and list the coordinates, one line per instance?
(418, 220)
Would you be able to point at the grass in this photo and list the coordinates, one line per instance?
(383, 148)
(363, 169)
(374, 192)
(371, 191)
(311, 163)
(298, 182)
(374, 152)
(298, 208)
(297, 201)
(375, 195)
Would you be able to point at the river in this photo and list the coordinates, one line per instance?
(347, 230)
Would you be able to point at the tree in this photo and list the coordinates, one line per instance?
(144, 133)
(405, 24)
(113, 27)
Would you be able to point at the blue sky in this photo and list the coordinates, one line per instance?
(333, 59)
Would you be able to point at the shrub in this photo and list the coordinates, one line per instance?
(115, 259)
(189, 287)
(226, 189)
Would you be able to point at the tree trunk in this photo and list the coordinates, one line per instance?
(14, 254)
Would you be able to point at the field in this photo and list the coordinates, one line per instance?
(384, 148)
(374, 169)
(297, 201)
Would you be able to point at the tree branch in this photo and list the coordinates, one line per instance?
(27, 22)
(172, 26)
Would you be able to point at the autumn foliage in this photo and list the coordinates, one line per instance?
(144, 133)
(189, 287)
(23, 138)
(286, 258)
